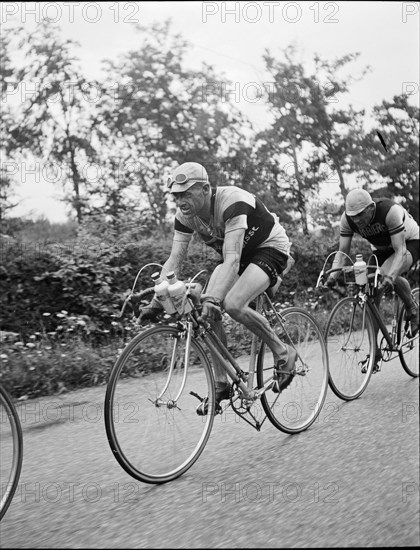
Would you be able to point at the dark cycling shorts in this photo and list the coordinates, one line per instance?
(270, 260)
(382, 255)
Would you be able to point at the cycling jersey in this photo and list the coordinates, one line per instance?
(383, 225)
(234, 208)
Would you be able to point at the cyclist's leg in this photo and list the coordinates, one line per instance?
(220, 376)
(382, 256)
(402, 286)
(411, 305)
(260, 273)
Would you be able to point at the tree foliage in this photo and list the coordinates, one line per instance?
(150, 112)
(395, 165)
(156, 114)
(309, 139)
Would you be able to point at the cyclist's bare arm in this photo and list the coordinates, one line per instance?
(343, 246)
(226, 273)
(400, 261)
(177, 256)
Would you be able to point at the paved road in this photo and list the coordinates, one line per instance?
(352, 479)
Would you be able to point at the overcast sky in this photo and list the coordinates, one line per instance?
(232, 36)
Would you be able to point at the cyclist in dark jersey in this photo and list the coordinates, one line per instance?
(394, 237)
(254, 250)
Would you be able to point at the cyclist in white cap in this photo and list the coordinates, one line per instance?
(394, 237)
(254, 251)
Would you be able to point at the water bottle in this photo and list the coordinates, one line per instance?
(162, 294)
(178, 293)
(360, 270)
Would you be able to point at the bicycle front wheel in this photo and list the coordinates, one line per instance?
(11, 454)
(151, 399)
(409, 347)
(350, 338)
(297, 407)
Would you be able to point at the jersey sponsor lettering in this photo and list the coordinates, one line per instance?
(382, 227)
(372, 230)
(234, 208)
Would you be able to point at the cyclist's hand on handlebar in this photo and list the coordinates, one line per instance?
(211, 310)
(150, 312)
(386, 285)
(331, 282)
(323, 286)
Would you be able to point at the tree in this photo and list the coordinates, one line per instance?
(161, 114)
(397, 161)
(336, 133)
(307, 134)
(53, 122)
(282, 145)
(8, 200)
(8, 147)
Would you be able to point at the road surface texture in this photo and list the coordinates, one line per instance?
(352, 479)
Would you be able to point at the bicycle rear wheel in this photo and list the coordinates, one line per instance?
(11, 454)
(409, 350)
(351, 348)
(150, 405)
(297, 407)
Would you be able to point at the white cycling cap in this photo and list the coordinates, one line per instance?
(357, 200)
(186, 175)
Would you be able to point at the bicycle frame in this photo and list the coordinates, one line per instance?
(389, 337)
(166, 368)
(366, 298)
(252, 382)
(244, 381)
(393, 336)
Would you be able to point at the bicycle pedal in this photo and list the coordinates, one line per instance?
(218, 409)
(203, 408)
(408, 330)
(409, 334)
(364, 365)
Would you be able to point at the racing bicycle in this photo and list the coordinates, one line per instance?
(350, 334)
(165, 372)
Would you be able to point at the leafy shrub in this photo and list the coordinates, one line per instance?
(64, 300)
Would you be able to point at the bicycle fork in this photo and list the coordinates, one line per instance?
(172, 403)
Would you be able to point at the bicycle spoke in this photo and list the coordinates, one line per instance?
(150, 410)
(351, 349)
(409, 350)
(296, 407)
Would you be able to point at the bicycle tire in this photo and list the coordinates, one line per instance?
(11, 450)
(346, 378)
(158, 440)
(409, 347)
(297, 407)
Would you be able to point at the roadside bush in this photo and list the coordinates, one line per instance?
(28, 372)
(63, 302)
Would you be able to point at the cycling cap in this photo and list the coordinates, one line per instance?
(356, 201)
(186, 175)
